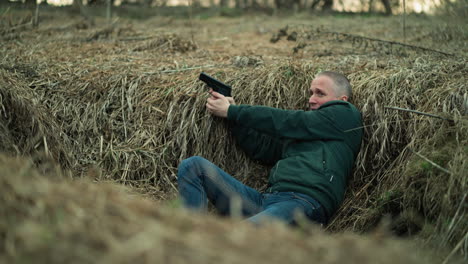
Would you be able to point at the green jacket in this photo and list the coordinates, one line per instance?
(312, 151)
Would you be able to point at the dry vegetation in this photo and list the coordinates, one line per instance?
(122, 103)
(48, 219)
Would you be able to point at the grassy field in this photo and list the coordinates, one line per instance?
(94, 119)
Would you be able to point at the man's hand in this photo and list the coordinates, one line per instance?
(218, 105)
(231, 100)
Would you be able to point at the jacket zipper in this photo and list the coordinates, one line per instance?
(325, 165)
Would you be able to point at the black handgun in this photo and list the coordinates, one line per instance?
(217, 86)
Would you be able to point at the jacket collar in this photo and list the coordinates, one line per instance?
(334, 102)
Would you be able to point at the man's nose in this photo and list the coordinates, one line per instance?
(312, 100)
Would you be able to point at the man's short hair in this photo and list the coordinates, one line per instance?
(342, 85)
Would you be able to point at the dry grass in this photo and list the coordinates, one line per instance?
(106, 108)
(48, 219)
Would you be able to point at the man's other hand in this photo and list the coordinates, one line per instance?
(231, 100)
(218, 105)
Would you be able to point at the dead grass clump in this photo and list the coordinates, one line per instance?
(111, 32)
(27, 127)
(447, 33)
(27, 71)
(11, 23)
(169, 43)
(307, 36)
(54, 220)
(246, 61)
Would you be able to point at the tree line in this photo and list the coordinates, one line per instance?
(320, 5)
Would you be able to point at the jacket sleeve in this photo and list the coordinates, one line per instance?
(258, 146)
(305, 125)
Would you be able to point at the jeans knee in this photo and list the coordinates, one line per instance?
(188, 165)
(191, 162)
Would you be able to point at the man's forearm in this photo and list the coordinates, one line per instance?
(280, 123)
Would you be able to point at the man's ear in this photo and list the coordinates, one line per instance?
(344, 98)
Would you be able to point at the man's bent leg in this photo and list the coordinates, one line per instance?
(285, 207)
(200, 180)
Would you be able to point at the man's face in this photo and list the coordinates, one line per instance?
(322, 91)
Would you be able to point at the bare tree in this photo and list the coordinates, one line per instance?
(327, 5)
(388, 7)
(287, 4)
(386, 4)
(30, 3)
(79, 4)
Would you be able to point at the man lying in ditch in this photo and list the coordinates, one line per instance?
(313, 152)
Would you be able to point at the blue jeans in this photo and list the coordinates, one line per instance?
(200, 180)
